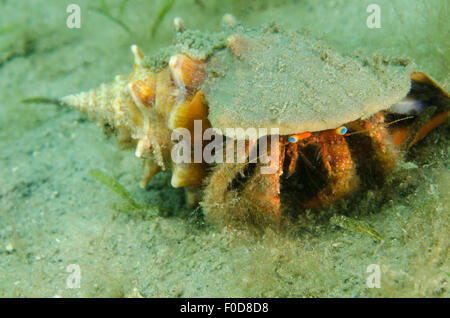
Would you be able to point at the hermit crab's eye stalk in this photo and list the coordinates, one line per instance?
(342, 130)
(294, 138)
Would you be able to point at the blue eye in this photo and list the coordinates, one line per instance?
(292, 139)
(341, 130)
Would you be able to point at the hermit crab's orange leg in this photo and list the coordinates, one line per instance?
(434, 122)
(340, 166)
(400, 134)
(381, 139)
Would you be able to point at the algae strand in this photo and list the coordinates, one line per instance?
(355, 226)
(130, 205)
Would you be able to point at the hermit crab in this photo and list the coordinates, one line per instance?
(323, 120)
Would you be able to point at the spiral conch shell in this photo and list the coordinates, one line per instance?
(143, 109)
(264, 78)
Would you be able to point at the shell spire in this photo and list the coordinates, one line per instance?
(104, 104)
(145, 107)
(125, 105)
